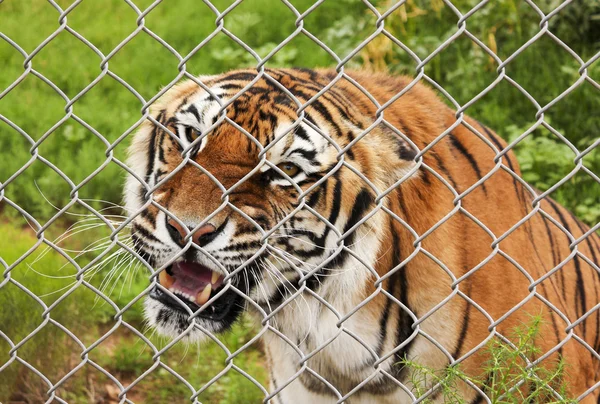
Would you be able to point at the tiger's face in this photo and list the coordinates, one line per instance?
(250, 205)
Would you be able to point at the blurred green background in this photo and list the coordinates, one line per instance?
(544, 70)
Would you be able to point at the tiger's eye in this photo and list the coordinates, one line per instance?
(289, 169)
(194, 134)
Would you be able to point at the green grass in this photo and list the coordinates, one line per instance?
(122, 354)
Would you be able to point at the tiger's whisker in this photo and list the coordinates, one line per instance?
(125, 267)
(114, 205)
(129, 269)
(59, 269)
(111, 275)
(277, 274)
(58, 290)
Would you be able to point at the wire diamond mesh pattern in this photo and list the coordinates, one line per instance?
(261, 63)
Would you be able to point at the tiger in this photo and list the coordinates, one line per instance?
(362, 223)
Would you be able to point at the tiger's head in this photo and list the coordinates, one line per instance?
(244, 206)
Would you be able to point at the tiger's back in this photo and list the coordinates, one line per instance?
(512, 258)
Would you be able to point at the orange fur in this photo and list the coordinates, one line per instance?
(461, 158)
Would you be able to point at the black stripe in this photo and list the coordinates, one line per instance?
(554, 325)
(333, 95)
(161, 149)
(318, 106)
(425, 176)
(587, 239)
(283, 100)
(152, 149)
(404, 151)
(580, 289)
(311, 73)
(301, 133)
(159, 174)
(243, 76)
(181, 104)
(595, 261)
(500, 147)
(138, 246)
(307, 154)
(270, 117)
(188, 133)
(462, 149)
(149, 216)
(385, 315)
(495, 140)
(313, 282)
(555, 262)
(443, 169)
(194, 111)
(246, 245)
(555, 258)
(404, 329)
(478, 399)
(485, 386)
(361, 204)
(465, 326)
(310, 119)
(143, 232)
(592, 238)
(316, 194)
(230, 86)
(336, 100)
(333, 216)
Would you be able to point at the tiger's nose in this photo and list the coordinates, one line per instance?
(202, 236)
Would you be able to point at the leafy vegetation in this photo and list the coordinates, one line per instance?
(545, 70)
(507, 376)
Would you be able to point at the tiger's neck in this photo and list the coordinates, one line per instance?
(351, 310)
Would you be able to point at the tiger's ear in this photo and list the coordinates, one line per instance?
(405, 151)
(402, 154)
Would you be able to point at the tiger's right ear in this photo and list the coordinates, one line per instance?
(404, 153)
(404, 150)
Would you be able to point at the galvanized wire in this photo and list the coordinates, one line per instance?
(266, 325)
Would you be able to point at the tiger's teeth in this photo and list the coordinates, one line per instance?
(215, 277)
(203, 296)
(165, 279)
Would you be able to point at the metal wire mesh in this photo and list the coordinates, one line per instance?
(266, 326)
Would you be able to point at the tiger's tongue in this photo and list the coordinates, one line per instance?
(192, 278)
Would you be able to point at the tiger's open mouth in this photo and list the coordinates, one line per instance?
(194, 284)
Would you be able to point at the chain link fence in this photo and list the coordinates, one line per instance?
(114, 243)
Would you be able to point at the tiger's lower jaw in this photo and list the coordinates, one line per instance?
(171, 319)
